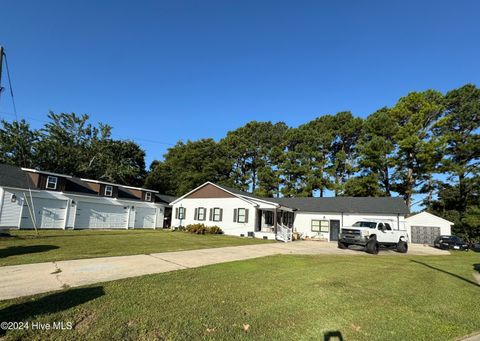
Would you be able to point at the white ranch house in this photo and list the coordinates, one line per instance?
(243, 214)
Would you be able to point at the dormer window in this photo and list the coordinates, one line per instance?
(108, 191)
(148, 196)
(52, 182)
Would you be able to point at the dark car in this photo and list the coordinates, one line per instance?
(475, 247)
(450, 242)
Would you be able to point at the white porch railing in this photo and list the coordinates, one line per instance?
(284, 233)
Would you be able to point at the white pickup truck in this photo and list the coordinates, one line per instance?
(372, 235)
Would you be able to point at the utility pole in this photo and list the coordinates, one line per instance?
(1, 65)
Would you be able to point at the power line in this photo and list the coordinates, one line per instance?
(10, 85)
(4, 55)
(30, 204)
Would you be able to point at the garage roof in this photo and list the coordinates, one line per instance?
(429, 217)
(11, 176)
(16, 177)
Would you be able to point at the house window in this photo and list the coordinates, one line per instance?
(181, 213)
(201, 212)
(320, 225)
(242, 214)
(217, 214)
(108, 191)
(268, 218)
(148, 196)
(52, 182)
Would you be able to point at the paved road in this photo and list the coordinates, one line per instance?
(29, 279)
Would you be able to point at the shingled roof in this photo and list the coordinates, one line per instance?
(16, 177)
(380, 205)
(369, 205)
(165, 198)
(11, 176)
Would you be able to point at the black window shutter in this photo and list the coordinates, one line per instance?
(195, 215)
(184, 213)
(211, 214)
(221, 214)
(176, 212)
(246, 215)
(234, 215)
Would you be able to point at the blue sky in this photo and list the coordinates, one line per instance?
(163, 71)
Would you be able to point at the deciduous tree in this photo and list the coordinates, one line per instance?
(18, 144)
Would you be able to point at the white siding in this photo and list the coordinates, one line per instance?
(10, 211)
(227, 204)
(303, 221)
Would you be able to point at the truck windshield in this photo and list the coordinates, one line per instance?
(367, 224)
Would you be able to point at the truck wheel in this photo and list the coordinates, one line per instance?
(402, 246)
(372, 247)
(342, 245)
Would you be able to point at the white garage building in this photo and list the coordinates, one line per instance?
(30, 198)
(424, 227)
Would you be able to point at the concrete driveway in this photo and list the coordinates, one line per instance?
(30, 279)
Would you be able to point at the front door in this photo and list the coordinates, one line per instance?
(167, 217)
(334, 229)
(258, 221)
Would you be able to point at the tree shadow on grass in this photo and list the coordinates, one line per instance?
(476, 267)
(447, 272)
(332, 335)
(6, 234)
(49, 304)
(88, 233)
(22, 250)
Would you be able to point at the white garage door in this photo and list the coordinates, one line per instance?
(103, 216)
(144, 217)
(49, 214)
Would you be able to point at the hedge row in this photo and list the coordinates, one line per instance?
(202, 229)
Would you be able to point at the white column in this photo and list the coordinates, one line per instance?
(67, 212)
(128, 216)
(21, 211)
(157, 212)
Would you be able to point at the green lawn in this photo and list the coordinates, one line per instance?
(25, 247)
(280, 297)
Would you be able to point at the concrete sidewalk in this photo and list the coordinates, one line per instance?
(30, 279)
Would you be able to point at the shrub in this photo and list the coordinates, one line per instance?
(202, 229)
(196, 228)
(215, 230)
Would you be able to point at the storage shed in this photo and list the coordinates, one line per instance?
(424, 227)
